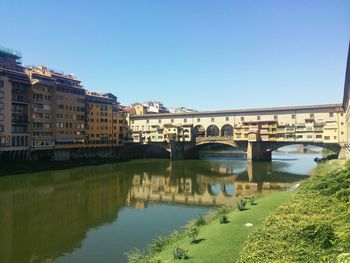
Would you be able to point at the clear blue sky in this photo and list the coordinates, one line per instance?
(196, 53)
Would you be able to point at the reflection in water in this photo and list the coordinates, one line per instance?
(45, 216)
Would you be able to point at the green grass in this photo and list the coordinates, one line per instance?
(313, 227)
(223, 242)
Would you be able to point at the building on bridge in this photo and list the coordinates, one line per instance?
(317, 123)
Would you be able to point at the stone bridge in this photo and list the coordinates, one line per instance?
(256, 131)
(178, 150)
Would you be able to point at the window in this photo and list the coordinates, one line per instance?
(293, 116)
(1, 128)
(1, 94)
(172, 120)
(185, 120)
(327, 138)
(1, 83)
(227, 118)
(275, 117)
(318, 136)
(331, 114)
(1, 116)
(258, 118)
(335, 137)
(242, 118)
(159, 121)
(198, 119)
(147, 121)
(341, 114)
(212, 119)
(342, 123)
(312, 115)
(1, 106)
(341, 132)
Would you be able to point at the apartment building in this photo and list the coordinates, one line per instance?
(99, 119)
(120, 126)
(43, 108)
(70, 111)
(14, 102)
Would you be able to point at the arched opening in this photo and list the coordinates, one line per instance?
(214, 189)
(213, 131)
(227, 130)
(228, 189)
(198, 131)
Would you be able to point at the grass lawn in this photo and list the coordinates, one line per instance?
(313, 227)
(223, 242)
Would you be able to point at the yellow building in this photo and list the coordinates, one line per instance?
(316, 123)
(120, 126)
(139, 109)
(99, 119)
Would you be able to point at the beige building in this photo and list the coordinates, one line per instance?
(43, 108)
(317, 123)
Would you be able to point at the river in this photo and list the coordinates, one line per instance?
(97, 213)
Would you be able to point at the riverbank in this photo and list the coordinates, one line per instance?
(313, 227)
(15, 168)
(222, 242)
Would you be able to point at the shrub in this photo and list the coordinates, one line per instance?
(180, 253)
(321, 234)
(241, 205)
(135, 256)
(253, 200)
(200, 221)
(193, 234)
(223, 210)
(158, 244)
(223, 219)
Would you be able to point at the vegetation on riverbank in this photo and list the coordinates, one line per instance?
(313, 227)
(220, 237)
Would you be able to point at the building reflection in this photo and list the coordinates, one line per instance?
(46, 215)
(210, 183)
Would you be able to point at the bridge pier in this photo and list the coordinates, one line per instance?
(258, 151)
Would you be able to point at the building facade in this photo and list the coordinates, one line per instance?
(43, 109)
(318, 123)
(14, 102)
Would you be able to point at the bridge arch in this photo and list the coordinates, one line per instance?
(334, 147)
(228, 189)
(214, 189)
(227, 130)
(213, 131)
(198, 131)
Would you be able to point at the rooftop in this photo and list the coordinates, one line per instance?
(225, 112)
(11, 52)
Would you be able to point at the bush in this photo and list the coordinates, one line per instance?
(180, 253)
(193, 234)
(223, 219)
(253, 201)
(223, 210)
(241, 205)
(200, 221)
(313, 227)
(135, 256)
(158, 244)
